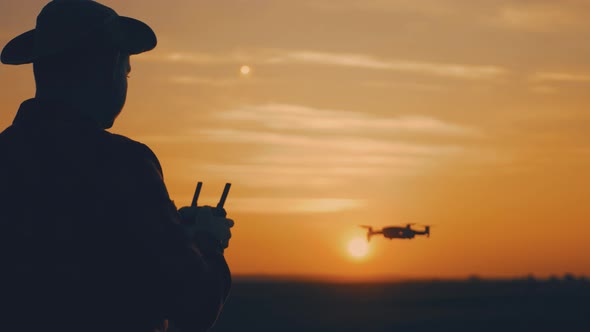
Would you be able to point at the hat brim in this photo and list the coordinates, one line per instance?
(19, 50)
(135, 36)
(132, 36)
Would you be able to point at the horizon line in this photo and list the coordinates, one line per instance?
(400, 278)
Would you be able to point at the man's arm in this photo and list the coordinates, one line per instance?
(195, 275)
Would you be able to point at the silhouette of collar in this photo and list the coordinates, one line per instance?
(50, 113)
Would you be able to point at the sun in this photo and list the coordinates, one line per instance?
(358, 247)
(245, 70)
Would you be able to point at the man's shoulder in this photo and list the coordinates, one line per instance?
(6, 133)
(5, 136)
(10, 139)
(126, 145)
(126, 148)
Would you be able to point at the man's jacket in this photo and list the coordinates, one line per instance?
(89, 238)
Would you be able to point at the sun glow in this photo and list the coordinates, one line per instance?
(245, 70)
(358, 247)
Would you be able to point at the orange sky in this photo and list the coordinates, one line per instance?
(470, 115)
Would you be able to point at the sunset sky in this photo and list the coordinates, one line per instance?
(471, 115)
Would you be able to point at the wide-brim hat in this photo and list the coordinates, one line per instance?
(65, 25)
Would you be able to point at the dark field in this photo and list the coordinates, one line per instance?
(521, 305)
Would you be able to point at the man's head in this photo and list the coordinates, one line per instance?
(92, 80)
(80, 53)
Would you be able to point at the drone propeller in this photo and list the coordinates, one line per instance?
(369, 231)
(426, 229)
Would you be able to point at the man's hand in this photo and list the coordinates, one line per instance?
(207, 220)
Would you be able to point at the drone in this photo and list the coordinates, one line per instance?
(397, 232)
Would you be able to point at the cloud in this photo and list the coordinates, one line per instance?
(273, 205)
(347, 60)
(294, 144)
(542, 16)
(206, 58)
(302, 151)
(403, 6)
(296, 117)
(560, 77)
(406, 85)
(531, 16)
(283, 160)
(217, 82)
(316, 165)
(364, 61)
(304, 173)
(360, 161)
(197, 58)
(349, 144)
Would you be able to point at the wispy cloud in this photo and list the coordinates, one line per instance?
(560, 77)
(542, 15)
(209, 58)
(303, 145)
(306, 141)
(296, 117)
(310, 149)
(347, 60)
(371, 62)
(273, 205)
(198, 58)
(217, 82)
(318, 164)
(349, 144)
(405, 6)
(532, 16)
(406, 86)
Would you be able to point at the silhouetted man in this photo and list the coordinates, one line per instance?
(89, 238)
